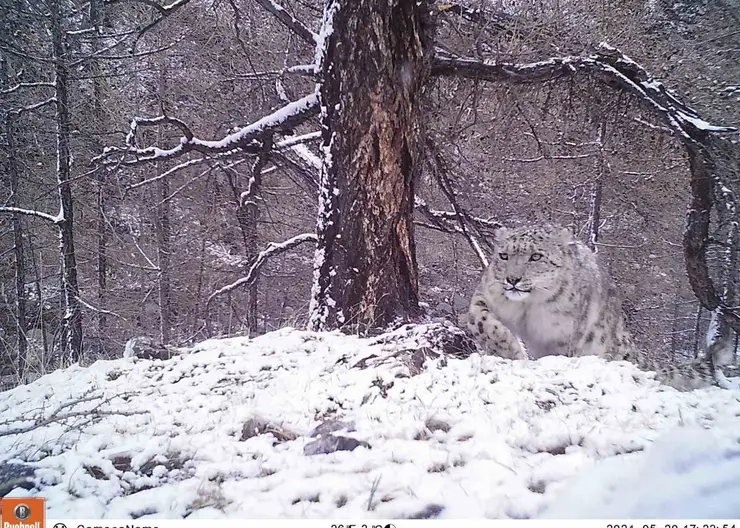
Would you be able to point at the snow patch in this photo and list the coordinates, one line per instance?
(222, 431)
(689, 473)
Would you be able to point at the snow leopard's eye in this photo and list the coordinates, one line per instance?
(535, 257)
(503, 256)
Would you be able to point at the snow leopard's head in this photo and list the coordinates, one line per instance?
(529, 262)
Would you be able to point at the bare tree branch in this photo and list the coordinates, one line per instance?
(451, 223)
(63, 413)
(248, 139)
(99, 310)
(289, 21)
(163, 10)
(34, 106)
(154, 121)
(271, 250)
(441, 174)
(27, 85)
(298, 140)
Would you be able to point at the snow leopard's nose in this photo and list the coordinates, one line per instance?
(513, 280)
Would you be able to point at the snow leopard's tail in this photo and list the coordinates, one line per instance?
(685, 376)
(706, 370)
(696, 374)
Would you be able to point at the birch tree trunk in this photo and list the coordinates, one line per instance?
(375, 61)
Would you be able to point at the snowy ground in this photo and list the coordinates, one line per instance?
(226, 431)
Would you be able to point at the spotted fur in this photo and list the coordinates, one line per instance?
(545, 288)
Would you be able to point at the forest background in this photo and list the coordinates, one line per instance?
(112, 226)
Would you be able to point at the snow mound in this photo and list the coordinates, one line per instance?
(296, 424)
(690, 474)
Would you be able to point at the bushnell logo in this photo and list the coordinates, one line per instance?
(25, 512)
(22, 512)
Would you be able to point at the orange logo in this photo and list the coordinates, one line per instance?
(26, 512)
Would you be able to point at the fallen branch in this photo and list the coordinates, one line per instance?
(64, 413)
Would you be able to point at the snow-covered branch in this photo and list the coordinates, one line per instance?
(30, 212)
(609, 63)
(272, 249)
(168, 172)
(254, 185)
(162, 9)
(34, 106)
(80, 408)
(289, 21)
(26, 85)
(99, 310)
(155, 121)
(247, 139)
(301, 69)
(298, 140)
(308, 70)
(436, 216)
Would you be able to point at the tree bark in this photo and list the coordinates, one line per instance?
(250, 213)
(71, 342)
(374, 65)
(594, 205)
(162, 224)
(96, 20)
(18, 243)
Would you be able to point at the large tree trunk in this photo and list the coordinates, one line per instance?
(71, 342)
(374, 64)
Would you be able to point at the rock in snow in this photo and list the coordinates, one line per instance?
(297, 424)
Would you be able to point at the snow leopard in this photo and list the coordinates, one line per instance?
(546, 288)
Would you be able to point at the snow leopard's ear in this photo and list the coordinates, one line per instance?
(567, 235)
(500, 235)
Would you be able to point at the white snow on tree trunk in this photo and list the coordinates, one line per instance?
(322, 302)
